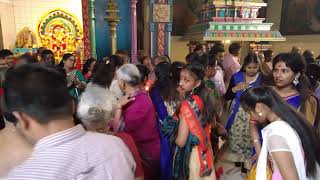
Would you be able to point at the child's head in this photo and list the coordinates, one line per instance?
(210, 70)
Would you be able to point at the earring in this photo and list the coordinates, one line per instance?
(296, 81)
(193, 89)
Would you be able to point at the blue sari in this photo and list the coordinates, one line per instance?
(166, 155)
(239, 77)
(294, 101)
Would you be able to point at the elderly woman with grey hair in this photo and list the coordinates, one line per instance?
(95, 109)
(136, 116)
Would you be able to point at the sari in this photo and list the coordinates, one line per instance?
(310, 109)
(238, 78)
(139, 121)
(234, 159)
(294, 100)
(280, 136)
(211, 85)
(194, 160)
(317, 91)
(214, 131)
(73, 90)
(166, 151)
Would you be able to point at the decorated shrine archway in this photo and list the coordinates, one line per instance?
(61, 32)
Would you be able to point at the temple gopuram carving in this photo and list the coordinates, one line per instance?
(232, 20)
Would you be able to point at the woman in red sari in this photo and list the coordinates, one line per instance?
(196, 114)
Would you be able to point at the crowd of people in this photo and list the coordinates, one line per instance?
(214, 116)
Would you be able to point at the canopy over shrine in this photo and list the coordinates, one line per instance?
(234, 20)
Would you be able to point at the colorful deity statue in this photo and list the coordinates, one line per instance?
(26, 39)
(46, 40)
(59, 38)
(60, 32)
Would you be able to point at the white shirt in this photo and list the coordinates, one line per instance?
(77, 154)
(280, 136)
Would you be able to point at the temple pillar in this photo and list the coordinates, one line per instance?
(134, 34)
(92, 30)
(113, 21)
(160, 27)
(217, 11)
(86, 29)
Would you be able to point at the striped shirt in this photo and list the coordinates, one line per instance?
(77, 154)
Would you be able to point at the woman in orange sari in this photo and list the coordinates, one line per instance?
(193, 158)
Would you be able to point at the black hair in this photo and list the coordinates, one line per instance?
(104, 70)
(64, 57)
(198, 47)
(175, 70)
(212, 62)
(297, 64)
(2, 124)
(142, 59)
(168, 58)
(212, 55)
(294, 61)
(115, 61)
(123, 52)
(87, 64)
(209, 102)
(39, 91)
(28, 58)
(40, 50)
(4, 53)
(215, 49)
(234, 47)
(189, 57)
(46, 52)
(163, 59)
(250, 58)
(308, 56)
(202, 60)
(313, 74)
(144, 72)
(308, 137)
(102, 73)
(164, 82)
